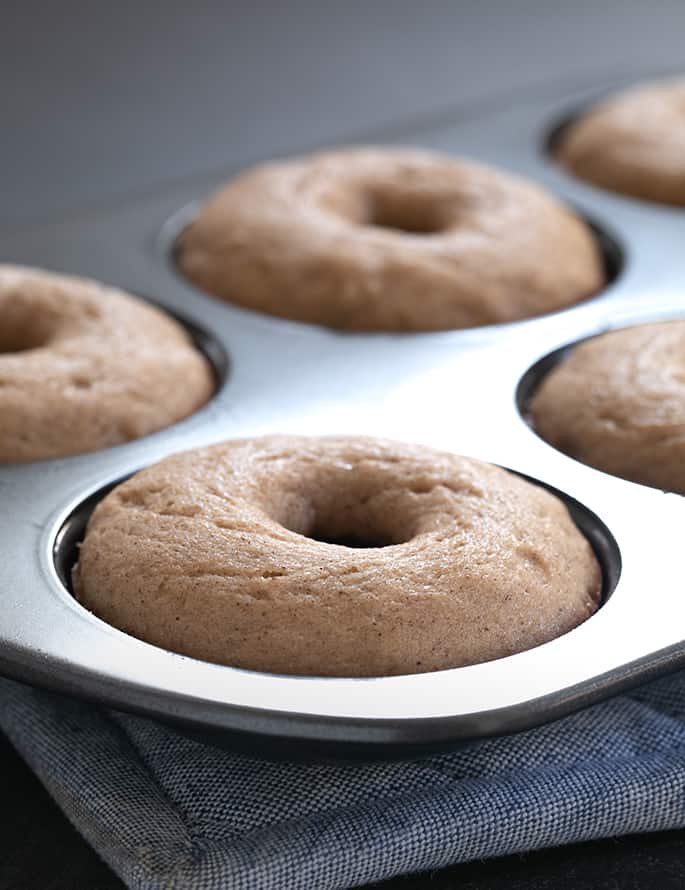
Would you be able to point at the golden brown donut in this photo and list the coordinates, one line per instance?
(382, 239)
(83, 367)
(335, 556)
(633, 143)
(618, 403)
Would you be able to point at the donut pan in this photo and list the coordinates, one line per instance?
(461, 391)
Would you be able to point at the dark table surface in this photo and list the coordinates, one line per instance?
(99, 101)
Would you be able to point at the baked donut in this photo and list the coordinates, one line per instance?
(83, 367)
(634, 143)
(382, 239)
(618, 403)
(335, 557)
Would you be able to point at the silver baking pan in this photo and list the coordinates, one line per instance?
(462, 391)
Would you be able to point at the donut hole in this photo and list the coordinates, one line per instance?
(345, 512)
(326, 534)
(406, 213)
(346, 526)
(19, 333)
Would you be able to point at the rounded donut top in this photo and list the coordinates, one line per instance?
(617, 403)
(85, 367)
(342, 556)
(387, 239)
(632, 143)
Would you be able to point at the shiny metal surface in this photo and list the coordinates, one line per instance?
(460, 391)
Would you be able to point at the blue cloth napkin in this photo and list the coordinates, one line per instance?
(167, 812)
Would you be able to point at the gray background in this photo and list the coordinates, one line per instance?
(99, 100)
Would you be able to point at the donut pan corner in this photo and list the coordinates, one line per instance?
(464, 391)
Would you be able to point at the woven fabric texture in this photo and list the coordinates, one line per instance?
(168, 812)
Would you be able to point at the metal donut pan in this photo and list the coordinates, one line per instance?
(457, 390)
